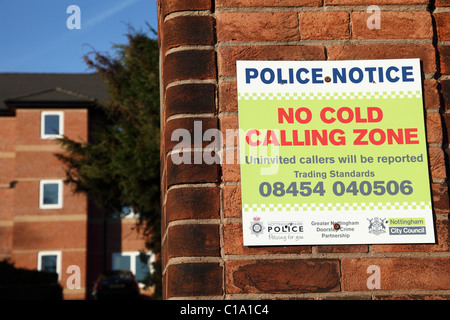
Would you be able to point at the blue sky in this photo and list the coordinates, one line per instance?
(34, 36)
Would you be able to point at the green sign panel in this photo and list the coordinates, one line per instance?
(333, 152)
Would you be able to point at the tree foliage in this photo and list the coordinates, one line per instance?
(120, 164)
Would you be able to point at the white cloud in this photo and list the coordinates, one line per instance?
(108, 13)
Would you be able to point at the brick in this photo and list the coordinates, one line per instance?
(324, 25)
(193, 203)
(128, 236)
(442, 25)
(171, 6)
(190, 99)
(412, 297)
(28, 162)
(189, 64)
(343, 248)
(196, 127)
(370, 2)
(76, 124)
(444, 57)
(193, 240)
(437, 163)
(425, 52)
(228, 122)
(232, 203)
(7, 167)
(431, 94)
(231, 172)
(442, 3)
(228, 97)
(7, 134)
(7, 197)
(28, 203)
(188, 30)
(191, 172)
(394, 25)
(228, 127)
(25, 260)
(442, 244)
(441, 200)
(31, 235)
(29, 122)
(446, 125)
(346, 297)
(193, 279)
(227, 56)
(285, 276)
(397, 273)
(233, 244)
(282, 276)
(447, 156)
(6, 239)
(257, 26)
(267, 3)
(433, 128)
(445, 90)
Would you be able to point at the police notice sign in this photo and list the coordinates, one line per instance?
(333, 152)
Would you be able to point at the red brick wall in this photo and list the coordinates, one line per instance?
(35, 229)
(25, 229)
(7, 160)
(200, 41)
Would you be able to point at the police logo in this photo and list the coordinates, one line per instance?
(256, 227)
(376, 226)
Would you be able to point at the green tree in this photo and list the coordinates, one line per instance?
(120, 165)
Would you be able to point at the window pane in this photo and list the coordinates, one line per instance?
(51, 193)
(51, 125)
(48, 263)
(142, 268)
(121, 262)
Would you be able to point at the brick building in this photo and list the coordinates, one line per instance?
(43, 224)
(203, 252)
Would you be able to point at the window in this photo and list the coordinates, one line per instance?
(50, 194)
(132, 260)
(50, 261)
(52, 124)
(126, 212)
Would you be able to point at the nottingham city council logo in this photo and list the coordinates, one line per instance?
(256, 227)
(376, 226)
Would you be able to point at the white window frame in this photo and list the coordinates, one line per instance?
(50, 253)
(133, 255)
(59, 205)
(61, 124)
